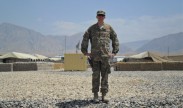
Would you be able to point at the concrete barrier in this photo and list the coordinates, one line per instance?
(58, 66)
(150, 66)
(172, 65)
(24, 67)
(5, 67)
(132, 66)
(45, 66)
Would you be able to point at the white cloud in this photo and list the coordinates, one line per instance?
(145, 27)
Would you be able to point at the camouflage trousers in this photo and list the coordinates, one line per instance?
(100, 69)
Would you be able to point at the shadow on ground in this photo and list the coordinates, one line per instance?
(75, 103)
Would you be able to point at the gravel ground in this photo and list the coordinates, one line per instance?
(49, 89)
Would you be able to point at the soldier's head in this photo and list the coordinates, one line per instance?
(100, 15)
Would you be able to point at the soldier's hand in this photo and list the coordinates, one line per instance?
(88, 54)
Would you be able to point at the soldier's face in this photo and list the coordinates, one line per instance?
(100, 17)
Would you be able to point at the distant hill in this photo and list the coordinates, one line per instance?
(136, 44)
(171, 42)
(71, 41)
(123, 49)
(20, 39)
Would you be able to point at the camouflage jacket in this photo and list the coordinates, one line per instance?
(100, 41)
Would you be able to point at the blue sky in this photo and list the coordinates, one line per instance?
(132, 19)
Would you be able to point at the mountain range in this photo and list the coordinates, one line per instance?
(171, 43)
(14, 38)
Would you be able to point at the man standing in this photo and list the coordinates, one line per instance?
(100, 35)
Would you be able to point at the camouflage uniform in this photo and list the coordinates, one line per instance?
(100, 48)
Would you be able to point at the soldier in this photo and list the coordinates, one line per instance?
(100, 35)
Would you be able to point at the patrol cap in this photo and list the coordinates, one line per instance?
(100, 12)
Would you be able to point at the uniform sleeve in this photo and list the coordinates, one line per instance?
(115, 41)
(84, 44)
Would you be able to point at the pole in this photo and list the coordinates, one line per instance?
(65, 43)
(76, 51)
(168, 51)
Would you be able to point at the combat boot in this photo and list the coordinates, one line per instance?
(103, 98)
(95, 98)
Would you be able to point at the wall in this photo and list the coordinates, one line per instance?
(6, 67)
(32, 66)
(148, 66)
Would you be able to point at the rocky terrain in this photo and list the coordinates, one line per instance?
(56, 89)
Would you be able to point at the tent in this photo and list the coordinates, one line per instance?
(55, 59)
(146, 57)
(42, 57)
(18, 55)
